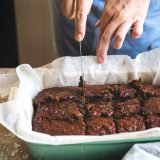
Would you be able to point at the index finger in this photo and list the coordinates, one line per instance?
(82, 9)
(104, 39)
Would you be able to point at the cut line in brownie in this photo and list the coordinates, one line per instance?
(68, 110)
(99, 109)
(152, 121)
(59, 127)
(126, 108)
(58, 94)
(98, 92)
(149, 90)
(100, 126)
(123, 91)
(152, 106)
(130, 124)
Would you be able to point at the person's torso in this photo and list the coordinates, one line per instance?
(150, 38)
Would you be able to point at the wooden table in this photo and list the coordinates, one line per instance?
(11, 147)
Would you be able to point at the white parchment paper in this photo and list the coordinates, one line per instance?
(16, 114)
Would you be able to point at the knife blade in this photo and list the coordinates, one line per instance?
(80, 51)
(82, 81)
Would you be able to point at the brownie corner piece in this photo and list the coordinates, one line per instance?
(100, 126)
(59, 127)
(130, 124)
(152, 106)
(99, 109)
(58, 94)
(152, 121)
(126, 108)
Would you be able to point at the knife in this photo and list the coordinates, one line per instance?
(82, 81)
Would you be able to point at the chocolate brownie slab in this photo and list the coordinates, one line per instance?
(108, 109)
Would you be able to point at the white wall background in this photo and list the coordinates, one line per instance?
(34, 29)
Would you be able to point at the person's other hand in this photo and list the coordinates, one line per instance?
(78, 10)
(117, 18)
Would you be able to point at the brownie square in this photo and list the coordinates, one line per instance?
(99, 108)
(67, 110)
(149, 90)
(152, 105)
(152, 121)
(98, 92)
(58, 94)
(123, 91)
(58, 127)
(130, 124)
(100, 126)
(125, 108)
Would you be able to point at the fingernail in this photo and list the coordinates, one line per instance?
(100, 59)
(79, 37)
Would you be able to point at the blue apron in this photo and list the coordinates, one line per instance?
(67, 46)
